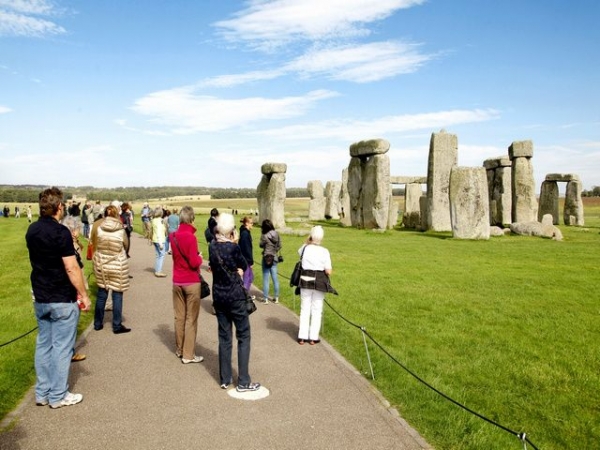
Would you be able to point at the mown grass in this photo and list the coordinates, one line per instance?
(507, 327)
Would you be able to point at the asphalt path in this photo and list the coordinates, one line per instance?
(138, 394)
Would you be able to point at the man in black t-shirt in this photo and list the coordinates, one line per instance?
(58, 285)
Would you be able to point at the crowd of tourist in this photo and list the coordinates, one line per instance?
(60, 288)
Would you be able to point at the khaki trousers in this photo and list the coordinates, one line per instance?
(186, 306)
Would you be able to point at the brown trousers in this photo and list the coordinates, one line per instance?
(186, 306)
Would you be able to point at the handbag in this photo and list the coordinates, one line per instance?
(90, 251)
(280, 258)
(250, 305)
(204, 286)
(295, 278)
(269, 260)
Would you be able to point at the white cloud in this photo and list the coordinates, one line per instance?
(271, 23)
(4, 109)
(361, 63)
(20, 18)
(184, 112)
(356, 63)
(355, 130)
(237, 79)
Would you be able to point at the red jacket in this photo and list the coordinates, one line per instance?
(184, 241)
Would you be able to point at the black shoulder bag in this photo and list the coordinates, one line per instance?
(204, 286)
(295, 278)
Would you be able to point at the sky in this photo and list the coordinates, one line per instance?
(113, 93)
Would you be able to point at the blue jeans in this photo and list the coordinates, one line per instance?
(160, 257)
(57, 331)
(270, 272)
(237, 314)
(117, 298)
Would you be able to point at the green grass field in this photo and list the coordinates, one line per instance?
(507, 327)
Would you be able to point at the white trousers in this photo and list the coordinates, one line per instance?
(311, 312)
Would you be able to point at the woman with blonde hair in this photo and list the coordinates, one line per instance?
(159, 238)
(111, 267)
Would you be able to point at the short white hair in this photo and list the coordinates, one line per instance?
(316, 234)
(225, 224)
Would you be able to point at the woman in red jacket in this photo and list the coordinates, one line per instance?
(186, 286)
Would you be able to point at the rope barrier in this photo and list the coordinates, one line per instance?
(520, 435)
(20, 337)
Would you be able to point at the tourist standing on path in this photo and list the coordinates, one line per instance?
(29, 214)
(126, 218)
(85, 218)
(229, 299)
(209, 233)
(56, 281)
(270, 242)
(159, 236)
(146, 218)
(172, 225)
(314, 283)
(111, 267)
(73, 226)
(245, 243)
(186, 286)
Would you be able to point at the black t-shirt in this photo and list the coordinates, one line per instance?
(48, 242)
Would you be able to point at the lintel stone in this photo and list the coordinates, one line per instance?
(562, 177)
(500, 161)
(369, 148)
(520, 149)
(270, 168)
(408, 180)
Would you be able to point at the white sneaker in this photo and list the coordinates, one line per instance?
(265, 301)
(197, 359)
(68, 400)
(276, 300)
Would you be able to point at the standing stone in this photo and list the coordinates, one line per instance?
(355, 179)
(573, 211)
(369, 185)
(500, 190)
(393, 212)
(549, 201)
(443, 155)
(316, 205)
(271, 194)
(524, 202)
(469, 203)
(424, 204)
(344, 204)
(332, 199)
(411, 217)
(376, 192)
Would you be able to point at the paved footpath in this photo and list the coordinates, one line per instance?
(138, 394)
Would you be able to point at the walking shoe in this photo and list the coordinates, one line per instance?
(122, 329)
(248, 387)
(265, 301)
(197, 359)
(178, 353)
(43, 402)
(160, 274)
(276, 300)
(225, 385)
(68, 400)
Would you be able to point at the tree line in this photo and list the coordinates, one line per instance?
(30, 193)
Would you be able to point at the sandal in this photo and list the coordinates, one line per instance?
(78, 357)
(301, 341)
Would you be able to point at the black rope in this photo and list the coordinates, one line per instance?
(20, 337)
(522, 436)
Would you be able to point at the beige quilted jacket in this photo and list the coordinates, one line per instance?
(111, 266)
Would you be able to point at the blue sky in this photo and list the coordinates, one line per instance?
(203, 92)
